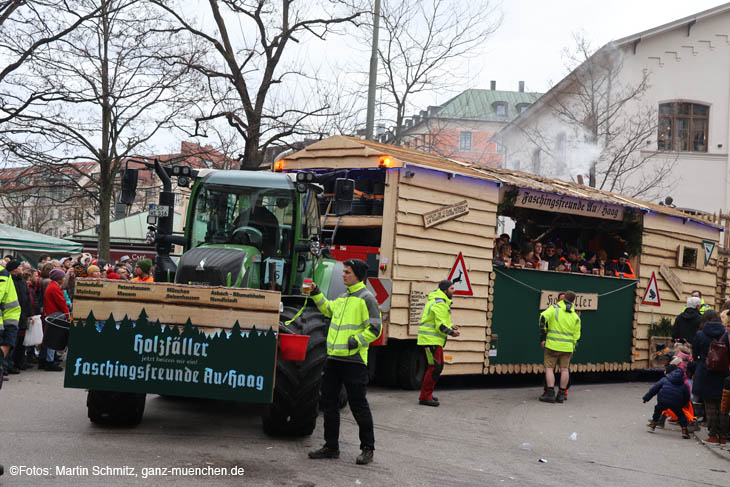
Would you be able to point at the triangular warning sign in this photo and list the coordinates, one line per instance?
(651, 295)
(708, 247)
(460, 278)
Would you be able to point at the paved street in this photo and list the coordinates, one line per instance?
(478, 437)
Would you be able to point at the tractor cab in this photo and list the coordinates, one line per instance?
(241, 231)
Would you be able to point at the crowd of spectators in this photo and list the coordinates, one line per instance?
(49, 288)
(697, 330)
(558, 257)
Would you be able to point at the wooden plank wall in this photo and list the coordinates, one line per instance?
(722, 291)
(662, 236)
(427, 255)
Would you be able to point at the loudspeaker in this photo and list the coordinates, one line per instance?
(344, 190)
(129, 186)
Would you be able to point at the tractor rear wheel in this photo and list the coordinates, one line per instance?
(386, 371)
(115, 408)
(295, 407)
(412, 366)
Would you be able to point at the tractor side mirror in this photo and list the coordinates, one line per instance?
(129, 186)
(344, 191)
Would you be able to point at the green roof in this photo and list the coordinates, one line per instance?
(476, 104)
(13, 238)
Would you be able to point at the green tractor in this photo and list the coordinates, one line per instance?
(257, 230)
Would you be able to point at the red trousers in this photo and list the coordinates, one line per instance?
(435, 357)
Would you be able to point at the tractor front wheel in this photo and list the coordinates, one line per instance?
(295, 407)
(115, 408)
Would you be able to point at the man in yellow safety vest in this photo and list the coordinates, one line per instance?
(9, 316)
(355, 323)
(435, 327)
(559, 334)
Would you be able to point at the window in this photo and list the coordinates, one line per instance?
(689, 257)
(241, 215)
(500, 108)
(465, 141)
(522, 107)
(536, 161)
(683, 127)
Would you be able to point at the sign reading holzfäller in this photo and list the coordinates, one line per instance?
(537, 200)
(147, 357)
(583, 301)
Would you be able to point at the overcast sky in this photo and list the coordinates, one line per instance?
(533, 34)
(528, 46)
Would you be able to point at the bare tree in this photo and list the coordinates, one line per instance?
(114, 88)
(601, 98)
(423, 46)
(250, 80)
(26, 28)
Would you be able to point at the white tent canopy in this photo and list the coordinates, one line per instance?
(17, 240)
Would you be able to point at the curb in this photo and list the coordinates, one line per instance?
(723, 453)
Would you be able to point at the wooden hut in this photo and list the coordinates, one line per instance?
(435, 212)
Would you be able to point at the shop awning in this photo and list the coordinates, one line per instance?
(17, 239)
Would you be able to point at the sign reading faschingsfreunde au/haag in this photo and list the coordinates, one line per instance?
(147, 357)
(537, 200)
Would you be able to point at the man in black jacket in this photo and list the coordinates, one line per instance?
(21, 289)
(688, 322)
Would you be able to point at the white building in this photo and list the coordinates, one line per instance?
(676, 127)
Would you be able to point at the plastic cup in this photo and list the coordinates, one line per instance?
(307, 286)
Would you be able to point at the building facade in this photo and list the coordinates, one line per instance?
(463, 127)
(669, 140)
(59, 201)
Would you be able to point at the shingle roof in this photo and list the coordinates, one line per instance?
(338, 152)
(478, 104)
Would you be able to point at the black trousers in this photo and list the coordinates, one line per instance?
(682, 419)
(355, 378)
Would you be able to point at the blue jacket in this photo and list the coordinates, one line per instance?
(707, 385)
(671, 389)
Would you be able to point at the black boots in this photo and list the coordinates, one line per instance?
(324, 452)
(548, 395)
(365, 457)
(428, 402)
(562, 396)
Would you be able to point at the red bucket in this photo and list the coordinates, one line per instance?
(293, 347)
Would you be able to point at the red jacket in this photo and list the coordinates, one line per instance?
(53, 300)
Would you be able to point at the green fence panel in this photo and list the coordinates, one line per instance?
(605, 333)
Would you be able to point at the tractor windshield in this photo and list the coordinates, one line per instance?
(240, 215)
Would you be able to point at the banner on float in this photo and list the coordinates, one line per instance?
(537, 200)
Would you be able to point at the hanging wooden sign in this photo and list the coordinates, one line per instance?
(675, 283)
(445, 213)
(583, 301)
(417, 301)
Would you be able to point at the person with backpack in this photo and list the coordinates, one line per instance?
(711, 351)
